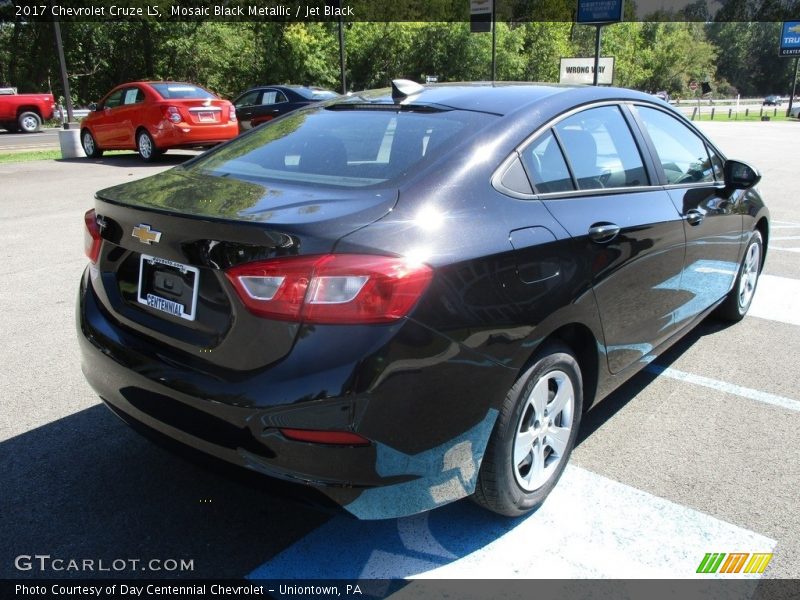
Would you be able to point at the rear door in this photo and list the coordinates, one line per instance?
(627, 237)
(692, 174)
(273, 103)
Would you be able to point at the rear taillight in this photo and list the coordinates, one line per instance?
(91, 236)
(332, 288)
(173, 114)
(318, 436)
(232, 113)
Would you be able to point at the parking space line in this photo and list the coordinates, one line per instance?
(589, 527)
(784, 249)
(724, 386)
(777, 299)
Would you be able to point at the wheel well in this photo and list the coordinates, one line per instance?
(763, 229)
(583, 344)
(24, 109)
(138, 131)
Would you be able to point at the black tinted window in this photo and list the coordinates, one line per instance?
(114, 100)
(680, 150)
(248, 99)
(545, 163)
(353, 148)
(716, 164)
(601, 149)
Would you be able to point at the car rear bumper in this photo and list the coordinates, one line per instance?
(171, 135)
(427, 404)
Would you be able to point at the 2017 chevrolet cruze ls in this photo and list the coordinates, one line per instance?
(411, 295)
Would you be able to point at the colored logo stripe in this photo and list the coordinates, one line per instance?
(734, 563)
(713, 562)
(758, 563)
(710, 563)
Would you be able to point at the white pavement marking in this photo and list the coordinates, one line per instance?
(786, 237)
(589, 527)
(777, 299)
(595, 527)
(724, 386)
(784, 249)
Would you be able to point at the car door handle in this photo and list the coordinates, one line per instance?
(694, 217)
(603, 232)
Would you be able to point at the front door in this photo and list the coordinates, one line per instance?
(692, 172)
(626, 234)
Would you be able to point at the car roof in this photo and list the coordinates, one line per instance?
(499, 98)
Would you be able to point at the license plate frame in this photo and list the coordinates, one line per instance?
(207, 116)
(154, 272)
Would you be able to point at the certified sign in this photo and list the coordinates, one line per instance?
(599, 11)
(790, 39)
(581, 70)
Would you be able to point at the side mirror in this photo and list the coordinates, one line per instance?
(93, 107)
(740, 175)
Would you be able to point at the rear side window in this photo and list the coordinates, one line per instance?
(181, 91)
(601, 150)
(133, 96)
(273, 97)
(681, 152)
(545, 163)
(343, 148)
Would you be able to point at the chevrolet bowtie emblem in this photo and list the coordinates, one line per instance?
(144, 234)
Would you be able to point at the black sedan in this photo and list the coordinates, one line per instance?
(261, 104)
(411, 295)
(772, 100)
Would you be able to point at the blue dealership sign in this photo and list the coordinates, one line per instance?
(790, 39)
(599, 11)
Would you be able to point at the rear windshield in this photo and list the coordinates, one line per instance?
(341, 148)
(181, 91)
(312, 94)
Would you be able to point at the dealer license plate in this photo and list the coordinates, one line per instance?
(168, 286)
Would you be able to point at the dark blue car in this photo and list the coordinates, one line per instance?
(261, 104)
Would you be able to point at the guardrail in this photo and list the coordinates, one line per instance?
(78, 113)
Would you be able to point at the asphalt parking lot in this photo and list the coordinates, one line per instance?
(697, 454)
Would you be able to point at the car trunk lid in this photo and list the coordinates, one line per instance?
(168, 239)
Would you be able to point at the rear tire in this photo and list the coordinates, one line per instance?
(90, 147)
(146, 146)
(29, 122)
(739, 299)
(534, 435)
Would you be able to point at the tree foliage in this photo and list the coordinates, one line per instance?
(229, 57)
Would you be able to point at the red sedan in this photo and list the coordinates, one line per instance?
(153, 116)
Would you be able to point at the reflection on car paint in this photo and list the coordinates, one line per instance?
(445, 473)
(706, 280)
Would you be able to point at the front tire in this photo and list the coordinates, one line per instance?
(29, 122)
(739, 299)
(534, 435)
(90, 147)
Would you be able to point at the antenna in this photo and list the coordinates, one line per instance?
(402, 88)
